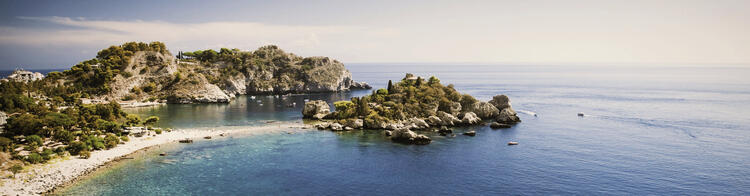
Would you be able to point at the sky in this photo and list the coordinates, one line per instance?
(61, 33)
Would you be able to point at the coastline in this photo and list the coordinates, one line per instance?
(45, 178)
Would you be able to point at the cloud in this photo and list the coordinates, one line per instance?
(243, 35)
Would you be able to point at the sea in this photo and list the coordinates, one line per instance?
(646, 130)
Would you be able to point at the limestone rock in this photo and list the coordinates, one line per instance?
(434, 120)
(316, 109)
(3, 118)
(417, 123)
(470, 118)
(409, 137)
(500, 101)
(337, 127)
(447, 119)
(507, 116)
(484, 110)
(360, 86)
(356, 123)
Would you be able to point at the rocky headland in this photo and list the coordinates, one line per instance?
(410, 105)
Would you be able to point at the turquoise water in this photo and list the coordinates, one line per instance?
(648, 130)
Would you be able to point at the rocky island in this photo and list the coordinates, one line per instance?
(412, 104)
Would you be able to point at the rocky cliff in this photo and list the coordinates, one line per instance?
(215, 77)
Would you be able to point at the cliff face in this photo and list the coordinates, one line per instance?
(268, 70)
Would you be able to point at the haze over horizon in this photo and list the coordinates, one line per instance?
(59, 34)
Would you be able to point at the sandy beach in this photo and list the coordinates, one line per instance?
(43, 178)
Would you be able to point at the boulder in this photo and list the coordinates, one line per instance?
(337, 127)
(316, 109)
(444, 131)
(484, 110)
(323, 126)
(471, 133)
(348, 128)
(356, 123)
(447, 119)
(407, 136)
(393, 126)
(360, 85)
(496, 125)
(500, 102)
(417, 123)
(507, 116)
(3, 118)
(434, 120)
(388, 133)
(470, 118)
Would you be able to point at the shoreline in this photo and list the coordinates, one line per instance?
(46, 178)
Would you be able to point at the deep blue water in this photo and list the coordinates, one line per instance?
(648, 131)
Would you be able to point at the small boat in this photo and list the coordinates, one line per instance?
(207, 137)
(581, 114)
(186, 140)
(163, 154)
(512, 143)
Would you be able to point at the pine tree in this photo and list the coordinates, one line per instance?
(390, 86)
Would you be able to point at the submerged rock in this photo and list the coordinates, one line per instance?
(316, 109)
(496, 125)
(471, 133)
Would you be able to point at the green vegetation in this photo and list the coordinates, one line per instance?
(411, 97)
(15, 169)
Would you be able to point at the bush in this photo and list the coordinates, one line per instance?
(85, 154)
(24, 124)
(124, 138)
(75, 148)
(149, 87)
(110, 141)
(151, 120)
(35, 158)
(64, 136)
(133, 120)
(344, 109)
(47, 154)
(466, 101)
(5, 143)
(34, 141)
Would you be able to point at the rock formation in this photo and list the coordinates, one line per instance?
(317, 109)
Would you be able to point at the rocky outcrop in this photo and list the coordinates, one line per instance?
(25, 76)
(316, 109)
(483, 110)
(355, 124)
(3, 118)
(360, 86)
(337, 127)
(416, 123)
(470, 133)
(447, 119)
(409, 137)
(470, 118)
(506, 115)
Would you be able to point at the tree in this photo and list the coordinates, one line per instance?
(5, 143)
(24, 124)
(76, 147)
(15, 169)
(151, 120)
(390, 87)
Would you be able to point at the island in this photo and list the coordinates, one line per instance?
(412, 104)
(73, 122)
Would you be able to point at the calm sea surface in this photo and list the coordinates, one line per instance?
(648, 131)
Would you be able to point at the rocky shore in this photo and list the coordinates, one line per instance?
(498, 110)
(41, 179)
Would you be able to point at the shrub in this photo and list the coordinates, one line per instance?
(133, 120)
(85, 154)
(149, 87)
(344, 109)
(126, 74)
(124, 138)
(5, 143)
(466, 101)
(110, 141)
(34, 141)
(34, 158)
(157, 131)
(75, 148)
(64, 136)
(151, 120)
(47, 154)
(15, 169)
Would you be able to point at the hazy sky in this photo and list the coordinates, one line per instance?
(58, 34)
